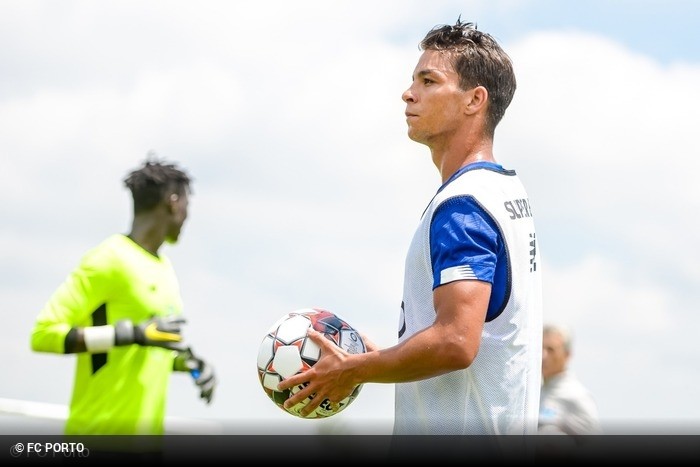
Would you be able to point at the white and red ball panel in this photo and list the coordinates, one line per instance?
(285, 351)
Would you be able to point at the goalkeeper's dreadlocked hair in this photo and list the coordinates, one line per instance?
(154, 181)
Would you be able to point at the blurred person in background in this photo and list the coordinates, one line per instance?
(120, 313)
(566, 405)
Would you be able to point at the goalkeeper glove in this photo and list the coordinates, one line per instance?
(201, 371)
(159, 331)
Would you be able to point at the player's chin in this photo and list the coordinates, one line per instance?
(415, 135)
(172, 238)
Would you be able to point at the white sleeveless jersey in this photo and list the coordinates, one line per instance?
(498, 394)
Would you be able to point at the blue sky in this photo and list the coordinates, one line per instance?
(666, 31)
(307, 189)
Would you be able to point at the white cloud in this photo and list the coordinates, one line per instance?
(307, 189)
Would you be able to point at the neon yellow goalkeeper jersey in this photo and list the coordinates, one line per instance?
(122, 391)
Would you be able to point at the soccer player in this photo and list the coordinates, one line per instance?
(468, 357)
(566, 405)
(120, 312)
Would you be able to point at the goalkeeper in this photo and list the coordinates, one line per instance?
(120, 312)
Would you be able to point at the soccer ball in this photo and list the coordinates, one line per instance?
(286, 351)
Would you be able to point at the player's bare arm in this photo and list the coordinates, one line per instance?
(451, 343)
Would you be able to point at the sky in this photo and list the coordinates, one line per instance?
(307, 189)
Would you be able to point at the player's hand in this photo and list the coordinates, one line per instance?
(159, 331)
(325, 380)
(370, 346)
(201, 371)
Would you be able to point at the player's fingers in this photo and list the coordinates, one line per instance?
(172, 323)
(206, 378)
(176, 319)
(369, 344)
(167, 328)
(291, 381)
(318, 338)
(305, 390)
(178, 346)
(311, 405)
(207, 393)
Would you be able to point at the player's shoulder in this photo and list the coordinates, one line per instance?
(105, 251)
(570, 384)
(479, 177)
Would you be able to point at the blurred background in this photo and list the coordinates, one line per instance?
(307, 190)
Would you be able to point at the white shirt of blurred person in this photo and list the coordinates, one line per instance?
(566, 405)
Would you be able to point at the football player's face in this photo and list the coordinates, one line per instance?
(434, 101)
(179, 209)
(554, 354)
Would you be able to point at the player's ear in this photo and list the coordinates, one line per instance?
(171, 202)
(475, 100)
